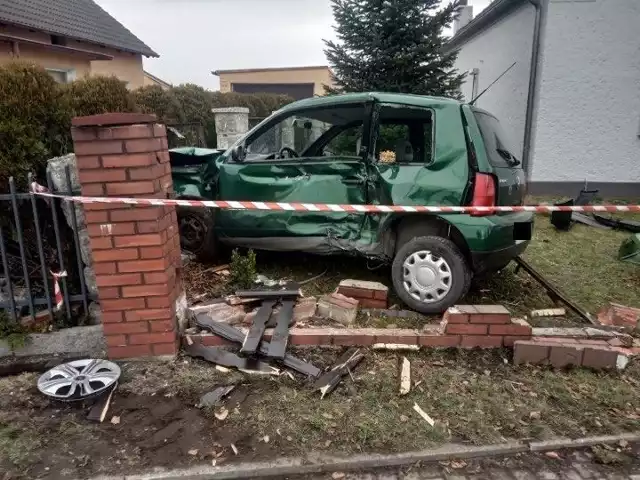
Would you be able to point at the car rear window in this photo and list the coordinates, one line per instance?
(500, 149)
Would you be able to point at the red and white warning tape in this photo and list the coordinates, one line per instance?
(56, 288)
(330, 207)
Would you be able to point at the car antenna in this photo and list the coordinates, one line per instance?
(492, 83)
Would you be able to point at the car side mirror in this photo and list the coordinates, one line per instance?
(238, 153)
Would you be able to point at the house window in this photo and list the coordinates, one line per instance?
(58, 40)
(62, 76)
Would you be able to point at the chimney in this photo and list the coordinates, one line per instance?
(465, 15)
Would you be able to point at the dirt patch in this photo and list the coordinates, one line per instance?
(474, 397)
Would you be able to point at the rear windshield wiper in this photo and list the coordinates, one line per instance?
(511, 160)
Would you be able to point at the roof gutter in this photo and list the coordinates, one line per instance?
(541, 10)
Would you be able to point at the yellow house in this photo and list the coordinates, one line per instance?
(297, 82)
(71, 39)
(150, 80)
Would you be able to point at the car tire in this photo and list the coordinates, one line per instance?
(416, 268)
(197, 235)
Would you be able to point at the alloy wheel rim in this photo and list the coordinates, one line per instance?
(79, 379)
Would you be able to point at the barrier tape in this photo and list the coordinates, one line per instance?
(56, 288)
(330, 207)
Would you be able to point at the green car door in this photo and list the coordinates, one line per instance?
(301, 156)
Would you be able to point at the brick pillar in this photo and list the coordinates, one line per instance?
(136, 250)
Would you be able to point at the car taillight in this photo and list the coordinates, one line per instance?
(484, 193)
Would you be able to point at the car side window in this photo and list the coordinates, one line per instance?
(405, 135)
(308, 133)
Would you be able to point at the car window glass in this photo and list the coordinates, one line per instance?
(500, 150)
(404, 135)
(347, 143)
(293, 135)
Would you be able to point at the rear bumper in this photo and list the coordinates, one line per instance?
(497, 259)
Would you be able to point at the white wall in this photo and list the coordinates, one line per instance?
(588, 117)
(492, 52)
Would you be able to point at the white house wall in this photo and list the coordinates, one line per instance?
(492, 52)
(588, 117)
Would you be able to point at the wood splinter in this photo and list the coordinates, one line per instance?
(405, 376)
(330, 380)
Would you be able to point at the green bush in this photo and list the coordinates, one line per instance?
(155, 99)
(95, 95)
(34, 121)
(243, 269)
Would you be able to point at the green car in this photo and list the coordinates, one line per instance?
(370, 148)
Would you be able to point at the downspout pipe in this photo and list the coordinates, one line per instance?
(541, 8)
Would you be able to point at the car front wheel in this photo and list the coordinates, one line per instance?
(430, 274)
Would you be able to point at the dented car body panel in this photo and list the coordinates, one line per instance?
(338, 166)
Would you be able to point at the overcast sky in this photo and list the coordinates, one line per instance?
(194, 37)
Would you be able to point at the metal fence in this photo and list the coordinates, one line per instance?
(35, 244)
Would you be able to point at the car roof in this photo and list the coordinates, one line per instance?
(402, 98)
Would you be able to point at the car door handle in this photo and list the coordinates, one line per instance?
(353, 181)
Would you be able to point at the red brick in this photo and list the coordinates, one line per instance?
(145, 291)
(101, 243)
(372, 303)
(620, 315)
(159, 130)
(130, 131)
(130, 188)
(84, 134)
(93, 190)
(530, 352)
(309, 336)
(110, 229)
(214, 341)
(115, 255)
(130, 351)
(162, 326)
(158, 337)
(153, 252)
(96, 217)
(597, 343)
(125, 328)
(130, 240)
(490, 319)
(160, 302)
(104, 268)
(88, 162)
(109, 293)
(116, 119)
(143, 145)
(381, 295)
(439, 340)
(97, 148)
(115, 340)
(509, 340)
(117, 280)
(136, 213)
(164, 348)
(153, 226)
(149, 173)
(128, 161)
(95, 207)
(142, 265)
(465, 329)
(518, 326)
(481, 341)
(491, 314)
(554, 340)
(102, 176)
(401, 336)
(600, 358)
(148, 314)
(353, 292)
(159, 277)
(455, 315)
(163, 156)
(565, 356)
(112, 317)
(122, 304)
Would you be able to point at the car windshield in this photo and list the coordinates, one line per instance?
(294, 134)
(500, 149)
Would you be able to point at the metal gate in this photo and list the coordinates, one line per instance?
(36, 246)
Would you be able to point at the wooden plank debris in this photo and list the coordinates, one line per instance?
(213, 397)
(405, 376)
(256, 331)
(221, 356)
(232, 334)
(280, 336)
(549, 312)
(395, 346)
(291, 290)
(233, 300)
(99, 409)
(424, 415)
(330, 380)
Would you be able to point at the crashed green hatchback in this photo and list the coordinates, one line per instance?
(367, 148)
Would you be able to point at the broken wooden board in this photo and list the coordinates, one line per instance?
(549, 312)
(330, 380)
(424, 415)
(256, 331)
(233, 300)
(99, 409)
(212, 398)
(395, 346)
(405, 376)
(232, 334)
(280, 336)
(221, 356)
(291, 290)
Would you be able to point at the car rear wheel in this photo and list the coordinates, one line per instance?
(197, 233)
(430, 274)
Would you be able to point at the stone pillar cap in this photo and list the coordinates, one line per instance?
(113, 119)
(230, 110)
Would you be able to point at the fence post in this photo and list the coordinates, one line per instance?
(231, 124)
(136, 250)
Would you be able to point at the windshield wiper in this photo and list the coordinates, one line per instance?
(511, 160)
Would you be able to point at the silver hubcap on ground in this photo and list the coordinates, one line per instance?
(426, 277)
(79, 379)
